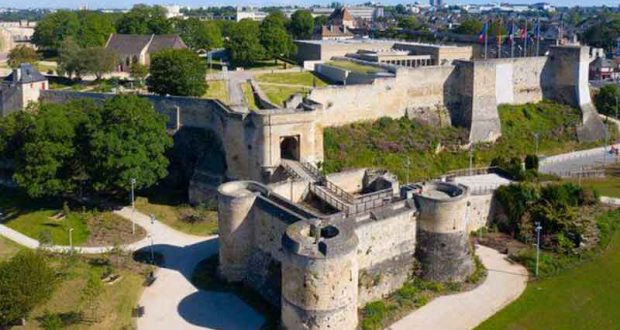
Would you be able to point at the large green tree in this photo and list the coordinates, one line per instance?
(87, 28)
(97, 61)
(199, 34)
(43, 165)
(22, 54)
(25, 281)
(470, 26)
(143, 19)
(244, 43)
(177, 72)
(129, 142)
(273, 36)
(604, 33)
(607, 100)
(302, 24)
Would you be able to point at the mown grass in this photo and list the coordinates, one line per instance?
(584, 296)
(172, 210)
(217, 89)
(354, 66)
(279, 94)
(82, 300)
(8, 248)
(607, 186)
(249, 96)
(417, 151)
(305, 78)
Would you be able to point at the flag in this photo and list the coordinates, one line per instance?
(483, 33)
(523, 32)
(511, 33)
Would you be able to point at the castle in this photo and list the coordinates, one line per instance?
(321, 246)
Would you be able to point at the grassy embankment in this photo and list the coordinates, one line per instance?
(354, 66)
(585, 296)
(217, 89)
(432, 151)
(274, 84)
(173, 210)
(48, 222)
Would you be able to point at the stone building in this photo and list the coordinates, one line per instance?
(22, 86)
(134, 48)
(321, 247)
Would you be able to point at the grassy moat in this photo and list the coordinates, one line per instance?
(417, 151)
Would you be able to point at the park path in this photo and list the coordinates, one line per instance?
(504, 283)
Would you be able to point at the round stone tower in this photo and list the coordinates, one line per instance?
(235, 201)
(319, 276)
(442, 239)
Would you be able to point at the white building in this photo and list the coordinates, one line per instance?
(251, 13)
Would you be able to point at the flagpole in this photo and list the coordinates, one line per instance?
(499, 38)
(538, 37)
(525, 41)
(512, 39)
(486, 39)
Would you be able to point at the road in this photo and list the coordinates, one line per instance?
(504, 283)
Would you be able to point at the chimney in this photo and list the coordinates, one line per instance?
(17, 75)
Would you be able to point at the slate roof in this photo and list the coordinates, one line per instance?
(133, 44)
(28, 75)
(327, 31)
(341, 14)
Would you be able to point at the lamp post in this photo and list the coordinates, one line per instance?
(71, 239)
(538, 229)
(151, 236)
(407, 165)
(471, 159)
(133, 207)
(536, 137)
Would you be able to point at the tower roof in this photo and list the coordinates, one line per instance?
(25, 73)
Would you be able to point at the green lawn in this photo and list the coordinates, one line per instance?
(249, 96)
(354, 66)
(172, 211)
(8, 248)
(433, 151)
(279, 94)
(607, 186)
(585, 297)
(217, 89)
(305, 78)
(81, 300)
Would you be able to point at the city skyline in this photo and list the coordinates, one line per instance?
(120, 4)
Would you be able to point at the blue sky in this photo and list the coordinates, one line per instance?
(196, 3)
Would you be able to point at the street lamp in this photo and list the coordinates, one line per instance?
(471, 159)
(407, 165)
(538, 229)
(133, 207)
(71, 239)
(536, 137)
(151, 236)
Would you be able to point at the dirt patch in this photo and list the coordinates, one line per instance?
(501, 242)
(108, 229)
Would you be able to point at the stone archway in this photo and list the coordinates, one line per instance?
(289, 147)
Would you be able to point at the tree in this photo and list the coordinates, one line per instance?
(607, 100)
(97, 61)
(54, 28)
(139, 72)
(143, 19)
(25, 281)
(409, 23)
(604, 33)
(198, 34)
(177, 72)
(44, 163)
(244, 44)
(320, 20)
(302, 24)
(22, 54)
(129, 143)
(87, 28)
(470, 26)
(69, 60)
(274, 38)
(95, 28)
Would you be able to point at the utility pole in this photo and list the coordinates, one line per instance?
(538, 229)
(133, 207)
(71, 239)
(471, 159)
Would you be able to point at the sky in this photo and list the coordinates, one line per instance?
(94, 4)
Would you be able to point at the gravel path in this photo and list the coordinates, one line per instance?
(504, 283)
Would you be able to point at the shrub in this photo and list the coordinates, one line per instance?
(531, 162)
(25, 281)
(51, 321)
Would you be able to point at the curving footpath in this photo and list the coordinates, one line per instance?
(504, 283)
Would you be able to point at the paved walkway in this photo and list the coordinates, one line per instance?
(504, 283)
